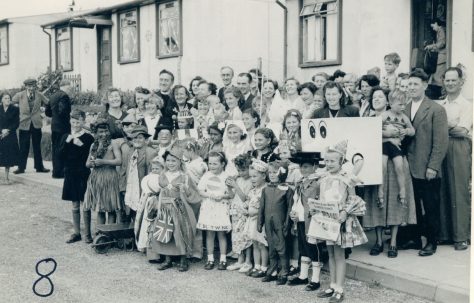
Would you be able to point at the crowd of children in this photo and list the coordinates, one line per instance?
(195, 168)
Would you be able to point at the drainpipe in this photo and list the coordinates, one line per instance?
(285, 38)
(50, 54)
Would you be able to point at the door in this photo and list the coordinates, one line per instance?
(104, 63)
(423, 13)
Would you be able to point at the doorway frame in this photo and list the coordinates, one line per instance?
(98, 33)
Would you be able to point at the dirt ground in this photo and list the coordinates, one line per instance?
(35, 223)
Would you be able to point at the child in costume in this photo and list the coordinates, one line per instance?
(235, 143)
(103, 191)
(150, 192)
(265, 144)
(337, 188)
(275, 205)
(214, 215)
(306, 188)
(241, 244)
(74, 150)
(258, 174)
(173, 230)
(138, 164)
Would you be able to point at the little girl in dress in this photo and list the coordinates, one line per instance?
(241, 185)
(258, 173)
(338, 187)
(214, 215)
(150, 192)
(291, 132)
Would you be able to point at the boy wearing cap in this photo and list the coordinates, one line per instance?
(31, 105)
(138, 165)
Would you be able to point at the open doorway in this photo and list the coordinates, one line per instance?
(430, 40)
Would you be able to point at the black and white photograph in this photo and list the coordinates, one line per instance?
(236, 151)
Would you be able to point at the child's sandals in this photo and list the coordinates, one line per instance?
(380, 202)
(327, 293)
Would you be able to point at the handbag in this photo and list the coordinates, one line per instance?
(431, 61)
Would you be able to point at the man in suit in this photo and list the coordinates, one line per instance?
(31, 104)
(243, 83)
(227, 74)
(59, 109)
(425, 153)
(166, 81)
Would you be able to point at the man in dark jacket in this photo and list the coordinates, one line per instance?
(58, 109)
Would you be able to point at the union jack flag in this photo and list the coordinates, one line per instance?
(164, 227)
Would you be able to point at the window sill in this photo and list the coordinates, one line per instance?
(67, 70)
(5, 63)
(320, 63)
(130, 61)
(169, 56)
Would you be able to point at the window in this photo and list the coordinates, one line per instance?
(4, 44)
(320, 33)
(169, 42)
(128, 37)
(64, 48)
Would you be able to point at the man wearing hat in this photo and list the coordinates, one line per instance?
(30, 103)
(59, 109)
(137, 165)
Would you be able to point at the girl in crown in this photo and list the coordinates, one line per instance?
(274, 215)
(337, 188)
(214, 215)
(258, 173)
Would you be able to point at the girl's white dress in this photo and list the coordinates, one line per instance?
(214, 215)
(150, 191)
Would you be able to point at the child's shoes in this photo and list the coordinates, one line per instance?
(258, 274)
(269, 278)
(312, 286)
(297, 281)
(336, 297)
(245, 268)
(235, 266)
(209, 265)
(222, 265)
(281, 280)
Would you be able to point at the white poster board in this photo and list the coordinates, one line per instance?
(364, 137)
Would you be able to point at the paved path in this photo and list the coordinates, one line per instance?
(443, 277)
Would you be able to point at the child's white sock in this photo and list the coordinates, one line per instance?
(264, 268)
(305, 261)
(339, 289)
(223, 258)
(294, 263)
(210, 258)
(257, 266)
(316, 272)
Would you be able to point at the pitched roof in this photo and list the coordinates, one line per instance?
(43, 18)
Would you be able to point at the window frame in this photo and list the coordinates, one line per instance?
(71, 49)
(157, 34)
(307, 64)
(119, 38)
(6, 25)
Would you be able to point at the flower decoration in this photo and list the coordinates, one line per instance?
(221, 126)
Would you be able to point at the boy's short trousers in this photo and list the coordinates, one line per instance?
(390, 150)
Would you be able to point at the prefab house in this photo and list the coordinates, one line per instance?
(126, 45)
(354, 35)
(24, 47)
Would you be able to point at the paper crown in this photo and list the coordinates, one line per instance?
(158, 160)
(175, 151)
(340, 148)
(259, 165)
(184, 114)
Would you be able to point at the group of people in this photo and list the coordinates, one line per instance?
(200, 166)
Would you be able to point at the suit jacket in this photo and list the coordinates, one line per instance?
(59, 109)
(247, 103)
(145, 155)
(428, 147)
(9, 119)
(346, 111)
(28, 116)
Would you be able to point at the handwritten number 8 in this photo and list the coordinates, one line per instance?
(45, 276)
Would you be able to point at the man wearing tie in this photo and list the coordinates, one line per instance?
(425, 153)
(227, 73)
(31, 105)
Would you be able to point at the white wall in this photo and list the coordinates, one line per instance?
(215, 33)
(28, 55)
(462, 40)
(370, 30)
